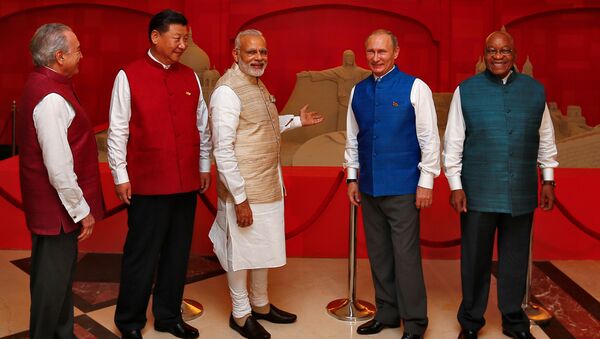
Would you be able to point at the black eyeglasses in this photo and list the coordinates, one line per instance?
(503, 51)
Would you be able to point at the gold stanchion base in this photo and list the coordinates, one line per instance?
(343, 309)
(191, 309)
(537, 313)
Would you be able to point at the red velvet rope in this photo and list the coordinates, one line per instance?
(320, 209)
(209, 205)
(109, 213)
(575, 221)
(304, 226)
(440, 244)
(328, 198)
(11, 200)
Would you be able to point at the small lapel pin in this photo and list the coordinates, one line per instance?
(395, 104)
(188, 93)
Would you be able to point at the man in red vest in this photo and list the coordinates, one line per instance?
(60, 182)
(158, 151)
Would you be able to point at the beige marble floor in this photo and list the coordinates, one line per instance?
(304, 286)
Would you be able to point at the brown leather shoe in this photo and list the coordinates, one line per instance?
(276, 315)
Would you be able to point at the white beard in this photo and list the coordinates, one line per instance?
(246, 68)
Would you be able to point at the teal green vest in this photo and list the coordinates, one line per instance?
(499, 172)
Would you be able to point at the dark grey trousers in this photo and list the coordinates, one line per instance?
(477, 247)
(53, 259)
(392, 233)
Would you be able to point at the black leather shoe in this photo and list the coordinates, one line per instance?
(373, 326)
(467, 334)
(410, 336)
(517, 334)
(133, 334)
(252, 329)
(276, 315)
(180, 330)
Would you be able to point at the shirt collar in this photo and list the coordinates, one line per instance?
(153, 58)
(505, 79)
(388, 72)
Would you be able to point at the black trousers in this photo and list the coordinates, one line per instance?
(392, 233)
(53, 259)
(477, 245)
(158, 242)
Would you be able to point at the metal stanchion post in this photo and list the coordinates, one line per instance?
(351, 309)
(536, 313)
(14, 128)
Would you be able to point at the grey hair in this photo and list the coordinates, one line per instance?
(47, 40)
(240, 35)
(384, 32)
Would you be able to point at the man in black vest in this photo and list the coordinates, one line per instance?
(499, 131)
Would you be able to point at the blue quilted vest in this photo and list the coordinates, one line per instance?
(499, 172)
(388, 149)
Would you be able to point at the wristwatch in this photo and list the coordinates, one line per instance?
(351, 180)
(549, 182)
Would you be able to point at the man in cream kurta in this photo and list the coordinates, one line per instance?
(248, 232)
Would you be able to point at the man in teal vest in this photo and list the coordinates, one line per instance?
(499, 131)
(392, 137)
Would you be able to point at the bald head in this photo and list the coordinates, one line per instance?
(498, 34)
(499, 51)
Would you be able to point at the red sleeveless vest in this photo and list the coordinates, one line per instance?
(44, 211)
(163, 151)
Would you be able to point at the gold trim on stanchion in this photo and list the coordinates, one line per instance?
(351, 309)
(191, 309)
(536, 313)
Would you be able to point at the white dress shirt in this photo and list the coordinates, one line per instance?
(52, 117)
(225, 108)
(455, 137)
(118, 130)
(427, 135)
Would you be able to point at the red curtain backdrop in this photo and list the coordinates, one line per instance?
(440, 40)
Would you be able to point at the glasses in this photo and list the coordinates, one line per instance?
(503, 51)
(252, 52)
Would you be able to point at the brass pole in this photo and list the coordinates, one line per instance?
(351, 309)
(536, 313)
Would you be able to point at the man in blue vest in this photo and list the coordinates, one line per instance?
(499, 131)
(392, 137)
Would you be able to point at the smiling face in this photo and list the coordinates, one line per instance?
(168, 47)
(252, 56)
(381, 53)
(499, 54)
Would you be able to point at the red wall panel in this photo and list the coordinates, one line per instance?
(295, 46)
(440, 40)
(563, 47)
(109, 37)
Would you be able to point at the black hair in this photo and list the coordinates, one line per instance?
(162, 20)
